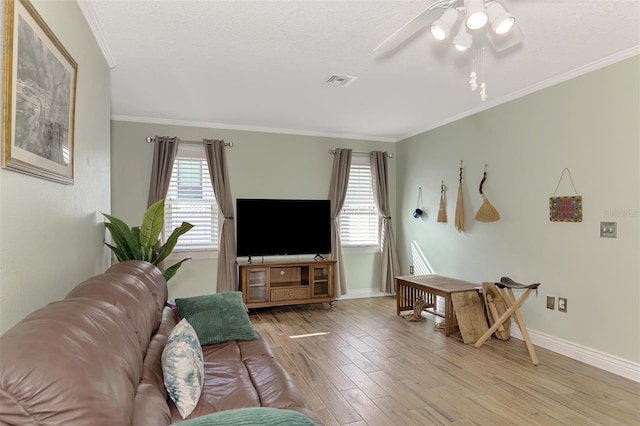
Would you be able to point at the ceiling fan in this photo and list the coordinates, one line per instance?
(474, 16)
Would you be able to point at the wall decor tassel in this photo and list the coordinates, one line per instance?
(418, 211)
(459, 223)
(442, 211)
(486, 212)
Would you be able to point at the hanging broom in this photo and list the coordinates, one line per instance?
(442, 212)
(459, 205)
(486, 212)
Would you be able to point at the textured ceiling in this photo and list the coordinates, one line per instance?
(261, 65)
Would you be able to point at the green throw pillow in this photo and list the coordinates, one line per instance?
(252, 416)
(217, 317)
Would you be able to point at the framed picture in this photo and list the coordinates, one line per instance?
(39, 91)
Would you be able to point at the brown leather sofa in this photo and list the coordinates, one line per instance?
(94, 358)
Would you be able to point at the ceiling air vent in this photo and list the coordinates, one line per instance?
(339, 80)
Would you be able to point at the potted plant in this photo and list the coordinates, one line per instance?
(143, 242)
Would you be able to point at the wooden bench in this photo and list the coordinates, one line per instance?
(410, 287)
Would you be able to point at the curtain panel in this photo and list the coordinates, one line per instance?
(390, 263)
(337, 195)
(227, 272)
(164, 154)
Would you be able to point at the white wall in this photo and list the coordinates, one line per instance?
(589, 125)
(50, 236)
(261, 165)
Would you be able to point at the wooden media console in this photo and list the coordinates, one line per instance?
(287, 283)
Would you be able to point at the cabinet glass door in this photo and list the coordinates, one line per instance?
(320, 277)
(256, 285)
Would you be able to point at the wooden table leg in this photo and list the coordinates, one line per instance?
(448, 314)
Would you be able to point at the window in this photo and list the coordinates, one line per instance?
(190, 199)
(359, 219)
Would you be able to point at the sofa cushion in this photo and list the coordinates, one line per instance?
(218, 317)
(251, 416)
(183, 367)
(150, 275)
(243, 373)
(127, 293)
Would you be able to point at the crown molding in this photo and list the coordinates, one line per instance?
(208, 125)
(593, 66)
(90, 16)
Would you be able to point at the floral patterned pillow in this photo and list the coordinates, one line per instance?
(183, 367)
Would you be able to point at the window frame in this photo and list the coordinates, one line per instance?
(195, 151)
(362, 249)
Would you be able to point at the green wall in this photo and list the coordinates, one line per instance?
(589, 125)
(50, 235)
(261, 165)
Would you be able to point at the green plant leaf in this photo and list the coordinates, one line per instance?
(171, 271)
(167, 247)
(116, 250)
(152, 223)
(123, 237)
(135, 230)
(143, 242)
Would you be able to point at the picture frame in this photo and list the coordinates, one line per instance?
(39, 93)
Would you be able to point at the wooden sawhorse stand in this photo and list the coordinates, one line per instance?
(506, 286)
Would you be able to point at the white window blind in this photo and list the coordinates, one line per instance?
(359, 220)
(190, 198)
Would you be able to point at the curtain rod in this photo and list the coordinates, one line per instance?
(333, 151)
(229, 144)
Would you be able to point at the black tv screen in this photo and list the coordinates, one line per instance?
(269, 227)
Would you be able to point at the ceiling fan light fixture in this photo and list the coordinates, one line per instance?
(463, 39)
(477, 16)
(441, 27)
(501, 20)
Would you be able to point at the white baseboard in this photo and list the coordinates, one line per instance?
(595, 358)
(364, 292)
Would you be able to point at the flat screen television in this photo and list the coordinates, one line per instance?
(270, 227)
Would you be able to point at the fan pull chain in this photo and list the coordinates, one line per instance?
(483, 86)
(473, 77)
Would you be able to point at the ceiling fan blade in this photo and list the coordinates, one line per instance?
(403, 33)
(506, 41)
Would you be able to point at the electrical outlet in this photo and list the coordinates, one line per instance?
(562, 304)
(551, 302)
(411, 269)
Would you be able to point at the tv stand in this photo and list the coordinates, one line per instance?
(287, 283)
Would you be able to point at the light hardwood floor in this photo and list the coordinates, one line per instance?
(368, 366)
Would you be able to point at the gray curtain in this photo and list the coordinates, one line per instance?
(164, 154)
(337, 194)
(227, 272)
(390, 263)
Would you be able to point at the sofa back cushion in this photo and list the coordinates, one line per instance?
(128, 293)
(85, 360)
(150, 276)
(73, 362)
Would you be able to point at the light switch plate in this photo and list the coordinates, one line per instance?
(608, 230)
